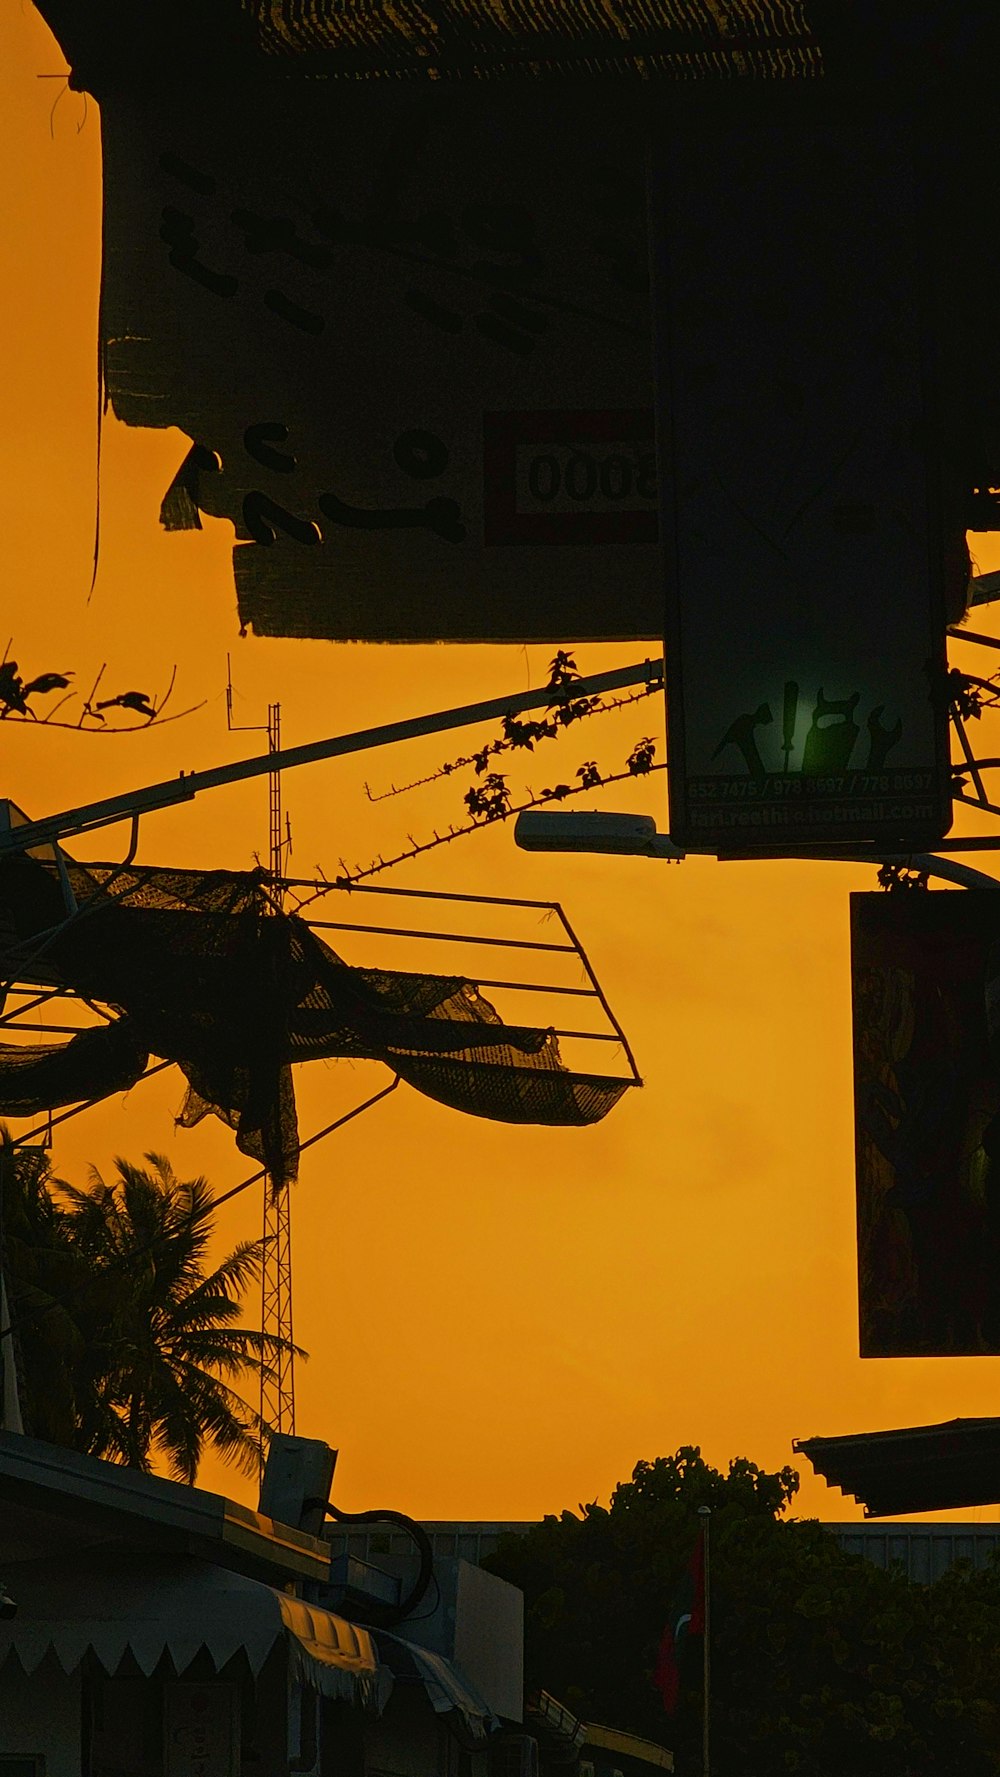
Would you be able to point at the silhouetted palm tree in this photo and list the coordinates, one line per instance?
(110, 1289)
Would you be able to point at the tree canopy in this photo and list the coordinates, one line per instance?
(822, 1663)
(127, 1346)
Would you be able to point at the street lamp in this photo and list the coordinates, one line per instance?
(630, 835)
(635, 835)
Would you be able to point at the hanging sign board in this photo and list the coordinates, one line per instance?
(927, 1123)
(803, 556)
(406, 328)
(201, 1735)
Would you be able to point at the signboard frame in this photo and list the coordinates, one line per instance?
(736, 568)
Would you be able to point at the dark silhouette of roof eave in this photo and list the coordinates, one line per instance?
(923, 1468)
(106, 41)
(875, 44)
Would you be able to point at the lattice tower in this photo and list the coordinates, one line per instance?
(277, 1393)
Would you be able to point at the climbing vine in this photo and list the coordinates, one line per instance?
(490, 798)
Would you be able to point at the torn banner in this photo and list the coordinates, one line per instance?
(407, 330)
(386, 268)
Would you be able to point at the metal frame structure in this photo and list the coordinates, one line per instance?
(277, 1398)
(277, 1391)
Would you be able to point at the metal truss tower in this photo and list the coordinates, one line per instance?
(277, 1391)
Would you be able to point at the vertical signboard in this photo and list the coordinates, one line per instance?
(927, 1123)
(406, 327)
(201, 1735)
(803, 557)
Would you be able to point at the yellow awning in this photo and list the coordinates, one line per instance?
(110, 1605)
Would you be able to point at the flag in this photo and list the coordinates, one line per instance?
(686, 1617)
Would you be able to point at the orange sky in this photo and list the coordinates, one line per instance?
(501, 1321)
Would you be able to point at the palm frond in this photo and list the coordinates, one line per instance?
(150, 1353)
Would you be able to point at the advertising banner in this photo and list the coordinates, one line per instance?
(406, 328)
(804, 565)
(927, 1123)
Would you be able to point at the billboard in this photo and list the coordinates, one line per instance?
(927, 1123)
(406, 328)
(804, 562)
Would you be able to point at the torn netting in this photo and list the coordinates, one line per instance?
(211, 976)
(39, 1076)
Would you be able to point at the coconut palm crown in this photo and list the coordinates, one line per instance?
(130, 1349)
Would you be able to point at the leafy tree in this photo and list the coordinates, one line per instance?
(129, 1348)
(821, 1662)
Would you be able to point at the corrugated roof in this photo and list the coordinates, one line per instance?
(677, 39)
(922, 1468)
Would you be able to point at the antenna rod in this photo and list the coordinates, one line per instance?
(190, 784)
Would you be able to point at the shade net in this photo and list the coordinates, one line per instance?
(91, 1065)
(203, 970)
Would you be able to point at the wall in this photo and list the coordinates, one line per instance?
(925, 1551)
(407, 1741)
(42, 1714)
(489, 1638)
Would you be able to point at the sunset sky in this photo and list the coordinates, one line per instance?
(501, 1321)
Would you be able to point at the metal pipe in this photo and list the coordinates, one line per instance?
(337, 925)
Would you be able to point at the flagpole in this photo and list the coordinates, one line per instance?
(705, 1514)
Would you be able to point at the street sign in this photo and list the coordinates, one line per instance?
(804, 563)
(927, 1122)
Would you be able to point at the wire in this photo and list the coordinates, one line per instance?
(395, 1613)
(422, 1615)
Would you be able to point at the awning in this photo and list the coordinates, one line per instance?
(600, 1739)
(446, 1686)
(917, 1468)
(110, 1606)
(558, 1732)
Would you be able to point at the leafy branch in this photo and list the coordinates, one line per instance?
(490, 802)
(969, 695)
(566, 708)
(900, 879)
(16, 706)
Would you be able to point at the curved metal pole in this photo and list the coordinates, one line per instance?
(927, 862)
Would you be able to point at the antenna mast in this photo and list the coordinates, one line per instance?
(277, 1390)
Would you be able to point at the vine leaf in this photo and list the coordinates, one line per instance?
(516, 733)
(640, 759)
(899, 879)
(475, 825)
(489, 801)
